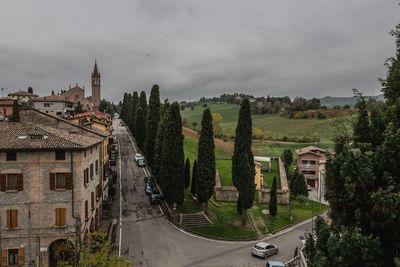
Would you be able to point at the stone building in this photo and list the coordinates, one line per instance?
(310, 160)
(50, 182)
(54, 104)
(22, 96)
(6, 107)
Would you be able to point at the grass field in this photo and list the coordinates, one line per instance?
(269, 176)
(272, 124)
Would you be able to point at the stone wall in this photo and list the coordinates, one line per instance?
(230, 194)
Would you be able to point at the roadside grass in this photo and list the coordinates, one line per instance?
(272, 124)
(269, 176)
(189, 205)
(224, 168)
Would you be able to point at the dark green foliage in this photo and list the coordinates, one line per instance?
(242, 160)
(172, 157)
(30, 90)
(140, 126)
(78, 108)
(206, 160)
(124, 107)
(187, 173)
(132, 112)
(287, 159)
(309, 248)
(159, 145)
(152, 121)
(143, 102)
(15, 116)
(273, 202)
(193, 188)
(52, 92)
(300, 186)
(106, 107)
(362, 128)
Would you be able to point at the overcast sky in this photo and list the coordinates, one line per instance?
(195, 48)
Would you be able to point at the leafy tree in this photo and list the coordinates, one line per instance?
(287, 158)
(187, 173)
(30, 90)
(259, 133)
(172, 157)
(273, 202)
(205, 173)
(310, 248)
(193, 188)
(228, 133)
(140, 126)
(94, 250)
(15, 115)
(300, 186)
(243, 162)
(103, 105)
(78, 108)
(152, 122)
(362, 127)
(143, 102)
(216, 120)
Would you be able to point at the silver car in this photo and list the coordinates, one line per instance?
(263, 249)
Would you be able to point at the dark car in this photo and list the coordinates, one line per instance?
(155, 199)
(148, 189)
(113, 162)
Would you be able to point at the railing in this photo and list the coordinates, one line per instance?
(310, 176)
(308, 166)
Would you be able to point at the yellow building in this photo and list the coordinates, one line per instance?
(258, 178)
(22, 96)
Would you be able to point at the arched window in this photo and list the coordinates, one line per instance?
(92, 203)
(86, 209)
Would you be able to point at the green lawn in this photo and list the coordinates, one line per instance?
(272, 124)
(269, 176)
(224, 168)
(190, 146)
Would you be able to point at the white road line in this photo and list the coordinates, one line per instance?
(120, 197)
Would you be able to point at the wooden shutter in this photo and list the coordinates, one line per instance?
(58, 217)
(3, 182)
(4, 257)
(20, 182)
(68, 181)
(63, 220)
(14, 219)
(21, 257)
(8, 219)
(52, 181)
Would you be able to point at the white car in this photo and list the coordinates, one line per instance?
(138, 156)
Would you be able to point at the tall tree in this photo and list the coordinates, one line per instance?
(30, 90)
(205, 173)
(140, 126)
(124, 106)
(287, 159)
(78, 108)
(362, 127)
(143, 102)
(242, 160)
(187, 173)
(152, 121)
(172, 157)
(273, 202)
(300, 186)
(193, 187)
(134, 106)
(158, 163)
(15, 115)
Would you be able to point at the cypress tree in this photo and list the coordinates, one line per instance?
(152, 121)
(159, 145)
(300, 185)
(15, 116)
(362, 128)
(124, 106)
(193, 188)
(206, 160)
(187, 173)
(172, 157)
(273, 202)
(242, 160)
(140, 126)
(30, 90)
(132, 111)
(143, 102)
(287, 158)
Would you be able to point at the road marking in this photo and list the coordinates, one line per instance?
(120, 196)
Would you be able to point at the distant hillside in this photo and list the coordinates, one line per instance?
(331, 101)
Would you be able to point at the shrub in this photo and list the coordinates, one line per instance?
(204, 105)
(337, 107)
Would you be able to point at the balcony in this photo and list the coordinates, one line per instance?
(308, 166)
(310, 176)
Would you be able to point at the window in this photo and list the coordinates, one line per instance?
(11, 182)
(12, 219)
(60, 217)
(86, 209)
(13, 257)
(60, 180)
(91, 171)
(60, 155)
(86, 176)
(92, 201)
(97, 166)
(46, 105)
(11, 156)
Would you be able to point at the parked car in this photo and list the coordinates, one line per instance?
(155, 196)
(122, 123)
(141, 163)
(150, 180)
(263, 249)
(147, 189)
(113, 162)
(138, 156)
(275, 264)
(308, 187)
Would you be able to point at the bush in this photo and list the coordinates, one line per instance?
(321, 116)
(323, 107)
(337, 107)
(285, 138)
(204, 105)
(182, 107)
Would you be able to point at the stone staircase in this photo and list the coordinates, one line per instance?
(195, 220)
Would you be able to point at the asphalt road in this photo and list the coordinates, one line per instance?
(148, 239)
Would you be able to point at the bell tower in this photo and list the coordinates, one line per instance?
(96, 87)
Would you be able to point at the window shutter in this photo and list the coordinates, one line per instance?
(20, 182)
(57, 217)
(8, 219)
(3, 182)
(68, 181)
(63, 220)
(21, 257)
(4, 257)
(52, 181)
(14, 219)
